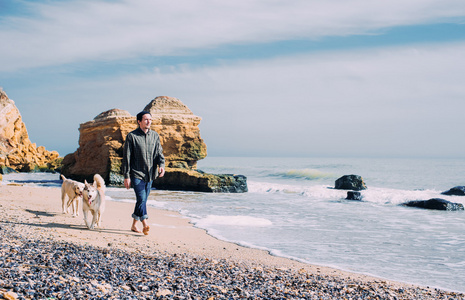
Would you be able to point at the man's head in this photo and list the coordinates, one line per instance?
(144, 119)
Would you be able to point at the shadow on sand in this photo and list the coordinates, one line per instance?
(39, 214)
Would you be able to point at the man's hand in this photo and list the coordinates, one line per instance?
(127, 183)
(162, 172)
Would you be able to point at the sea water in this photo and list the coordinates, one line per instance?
(292, 210)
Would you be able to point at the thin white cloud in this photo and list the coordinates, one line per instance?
(398, 101)
(414, 72)
(80, 31)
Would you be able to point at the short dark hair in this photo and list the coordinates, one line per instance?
(141, 114)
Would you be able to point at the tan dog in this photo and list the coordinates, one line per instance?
(73, 189)
(93, 201)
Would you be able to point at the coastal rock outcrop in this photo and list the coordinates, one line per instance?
(435, 203)
(179, 132)
(101, 149)
(455, 191)
(350, 182)
(17, 152)
(194, 180)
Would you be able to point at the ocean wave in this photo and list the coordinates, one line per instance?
(307, 174)
(32, 179)
(396, 196)
(267, 187)
(247, 221)
(372, 194)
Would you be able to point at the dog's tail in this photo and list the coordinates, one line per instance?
(63, 177)
(100, 183)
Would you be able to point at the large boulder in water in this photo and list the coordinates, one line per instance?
(353, 195)
(196, 180)
(455, 191)
(435, 203)
(350, 182)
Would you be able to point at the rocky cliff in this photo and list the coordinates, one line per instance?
(17, 152)
(179, 132)
(101, 148)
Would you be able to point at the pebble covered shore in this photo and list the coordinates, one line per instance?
(44, 268)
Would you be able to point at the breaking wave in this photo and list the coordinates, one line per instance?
(307, 174)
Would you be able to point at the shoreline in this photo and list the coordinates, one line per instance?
(35, 212)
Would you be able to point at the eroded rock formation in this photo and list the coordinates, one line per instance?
(17, 152)
(101, 148)
(179, 132)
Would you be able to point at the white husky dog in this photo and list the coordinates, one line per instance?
(94, 201)
(72, 189)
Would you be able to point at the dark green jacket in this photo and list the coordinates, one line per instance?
(142, 155)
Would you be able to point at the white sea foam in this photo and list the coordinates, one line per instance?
(372, 194)
(394, 196)
(268, 187)
(32, 179)
(245, 221)
(156, 204)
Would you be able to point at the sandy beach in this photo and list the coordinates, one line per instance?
(33, 215)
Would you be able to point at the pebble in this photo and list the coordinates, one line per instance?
(34, 268)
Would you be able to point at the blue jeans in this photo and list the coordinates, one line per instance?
(142, 190)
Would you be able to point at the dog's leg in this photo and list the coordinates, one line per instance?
(70, 204)
(75, 211)
(74, 204)
(63, 202)
(99, 219)
(77, 205)
(84, 212)
(94, 219)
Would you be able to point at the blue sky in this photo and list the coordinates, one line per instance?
(269, 78)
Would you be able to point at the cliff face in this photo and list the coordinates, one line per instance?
(101, 140)
(179, 132)
(16, 150)
(100, 146)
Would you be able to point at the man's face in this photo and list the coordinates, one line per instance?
(145, 122)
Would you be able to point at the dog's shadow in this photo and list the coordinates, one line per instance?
(39, 213)
(73, 227)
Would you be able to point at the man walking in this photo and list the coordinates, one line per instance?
(143, 162)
